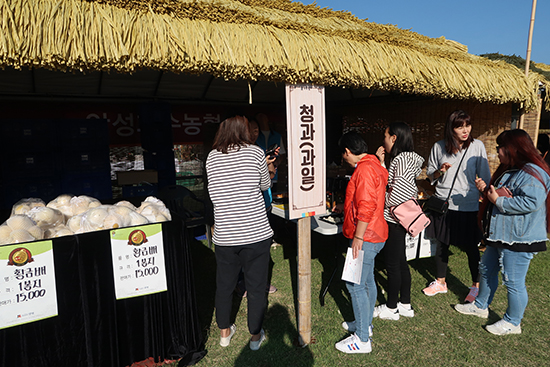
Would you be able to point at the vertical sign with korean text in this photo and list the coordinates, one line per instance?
(138, 261)
(27, 284)
(306, 149)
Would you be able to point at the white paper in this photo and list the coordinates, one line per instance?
(138, 267)
(428, 246)
(27, 283)
(411, 246)
(353, 267)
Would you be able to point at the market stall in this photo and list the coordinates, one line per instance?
(93, 328)
(186, 55)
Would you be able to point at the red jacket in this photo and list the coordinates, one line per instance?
(365, 195)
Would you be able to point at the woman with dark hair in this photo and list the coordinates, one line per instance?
(237, 174)
(515, 224)
(268, 198)
(460, 155)
(405, 165)
(367, 230)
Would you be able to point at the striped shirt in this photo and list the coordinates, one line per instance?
(235, 184)
(402, 181)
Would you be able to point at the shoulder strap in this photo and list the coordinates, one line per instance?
(456, 174)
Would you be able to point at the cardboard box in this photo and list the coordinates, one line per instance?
(137, 177)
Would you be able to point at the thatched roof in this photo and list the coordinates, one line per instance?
(274, 40)
(538, 72)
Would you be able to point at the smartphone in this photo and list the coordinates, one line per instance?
(271, 151)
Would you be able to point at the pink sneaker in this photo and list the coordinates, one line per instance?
(435, 288)
(471, 297)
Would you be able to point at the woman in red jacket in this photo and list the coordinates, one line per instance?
(365, 226)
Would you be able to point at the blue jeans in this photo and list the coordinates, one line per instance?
(514, 266)
(363, 295)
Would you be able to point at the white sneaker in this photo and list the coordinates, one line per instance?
(352, 344)
(224, 341)
(503, 327)
(255, 345)
(350, 326)
(386, 313)
(405, 310)
(472, 309)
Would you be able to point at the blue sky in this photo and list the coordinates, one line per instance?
(485, 26)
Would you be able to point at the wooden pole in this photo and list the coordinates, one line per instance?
(528, 56)
(304, 280)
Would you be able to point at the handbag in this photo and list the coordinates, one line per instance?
(440, 206)
(504, 191)
(410, 215)
(437, 205)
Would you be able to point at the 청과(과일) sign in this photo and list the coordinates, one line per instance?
(306, 149)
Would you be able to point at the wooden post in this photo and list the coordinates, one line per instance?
(528, 56)
(304, 280)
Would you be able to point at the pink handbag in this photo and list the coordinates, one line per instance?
(410, 215)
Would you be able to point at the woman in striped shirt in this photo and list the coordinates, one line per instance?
(237, 174)
(405, 166)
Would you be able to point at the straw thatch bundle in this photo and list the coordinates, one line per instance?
(274, 40)
(538, 72)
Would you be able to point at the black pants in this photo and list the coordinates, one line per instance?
(459, 229)
(399, 275)
(254, 260)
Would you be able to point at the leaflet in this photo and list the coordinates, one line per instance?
(353, 267)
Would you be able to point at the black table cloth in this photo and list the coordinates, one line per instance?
(93, 328)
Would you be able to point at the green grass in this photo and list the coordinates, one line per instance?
(436, 336)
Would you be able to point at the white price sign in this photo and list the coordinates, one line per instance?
(138, 261)
(27, 283)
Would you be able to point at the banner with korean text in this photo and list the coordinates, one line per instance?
(305, 109)
(138, 261)
(27, 283)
